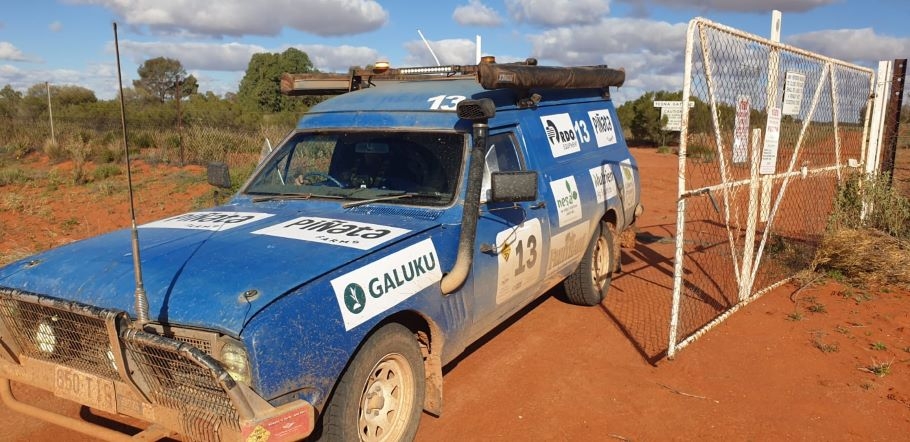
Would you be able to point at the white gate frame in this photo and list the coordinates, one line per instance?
(746, 268)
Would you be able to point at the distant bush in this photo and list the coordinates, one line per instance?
(104, 171)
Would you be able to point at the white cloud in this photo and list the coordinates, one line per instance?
(854, 45)
(651, 52)
(101, 78)
(201, 56)
(55, 26)
(236, 56)
(603, 42)
(244, 17)
(475, 13)
(558, 12)
(452, 51)
(339, 58)
(10, 52)
(763, 6)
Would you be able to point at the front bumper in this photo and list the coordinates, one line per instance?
(98, 358)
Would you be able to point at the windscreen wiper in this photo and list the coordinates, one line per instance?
(387, 198)
(292, 196)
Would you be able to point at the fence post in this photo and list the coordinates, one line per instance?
(892, 117)
(50, 112)
(770, 96)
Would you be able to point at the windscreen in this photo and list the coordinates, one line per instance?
(421, 167)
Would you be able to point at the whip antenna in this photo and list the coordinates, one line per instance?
(142, 303)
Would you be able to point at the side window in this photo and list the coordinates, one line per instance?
(502, 156)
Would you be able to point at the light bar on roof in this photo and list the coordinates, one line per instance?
(430, 70)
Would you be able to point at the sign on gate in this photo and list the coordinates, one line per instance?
(793, 93)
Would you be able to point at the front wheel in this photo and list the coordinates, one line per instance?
(380, 395)
(589, 284)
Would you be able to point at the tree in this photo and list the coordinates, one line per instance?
(260, 88)
(9, 101)
(160, 76)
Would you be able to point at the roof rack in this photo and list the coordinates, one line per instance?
(522, 76)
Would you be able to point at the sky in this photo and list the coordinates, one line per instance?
(71, 42)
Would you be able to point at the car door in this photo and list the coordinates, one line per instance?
(512, 242)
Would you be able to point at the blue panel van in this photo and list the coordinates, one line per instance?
(399, 222)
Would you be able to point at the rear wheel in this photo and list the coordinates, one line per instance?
(589, 284)
(380, 396)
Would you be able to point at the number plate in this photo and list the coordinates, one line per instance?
(85, 388)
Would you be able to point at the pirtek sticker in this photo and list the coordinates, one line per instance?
(568, 203)
(372, 289)
(560, 134)
(208, 220)
(339, 232)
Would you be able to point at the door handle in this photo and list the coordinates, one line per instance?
(538, 205)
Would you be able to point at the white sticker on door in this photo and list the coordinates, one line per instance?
(568, 202)
(376, 287)
(518, 251)
(628, 183)
(560, 134)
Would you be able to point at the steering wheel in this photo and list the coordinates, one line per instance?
(325, 178)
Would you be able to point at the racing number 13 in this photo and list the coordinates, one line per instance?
(532, 255)
(445, 102)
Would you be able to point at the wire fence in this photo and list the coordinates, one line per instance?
(102, 140)
(772, 132)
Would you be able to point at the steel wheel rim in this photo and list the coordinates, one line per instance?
(387, 400)
(600, 267)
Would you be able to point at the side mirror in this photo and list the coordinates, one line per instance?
(509, 187)
(219, 175)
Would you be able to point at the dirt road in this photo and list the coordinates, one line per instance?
(561, 372)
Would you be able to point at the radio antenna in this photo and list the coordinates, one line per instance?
(142, 304)
(428, 47)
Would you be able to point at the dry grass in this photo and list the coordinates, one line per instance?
(865, 257)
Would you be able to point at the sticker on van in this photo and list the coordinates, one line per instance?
(628, 183)
(568, 202)
(519, 259)
(208, 220)
(602, 124)
(357, 235)
(376, 287)
(604, 182)
(567, 247)
(560, 134)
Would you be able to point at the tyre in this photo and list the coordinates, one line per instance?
(589, 284)
(380, 395)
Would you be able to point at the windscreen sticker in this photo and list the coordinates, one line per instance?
(602, 124)
(560, 134)
(567, 247)
(568, 203)
(604, 182)
(357, 235)
(376, 287)
(518, 252)
(208, 220)
(628, 183)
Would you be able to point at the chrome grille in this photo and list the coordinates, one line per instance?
(58, 335)
(176, 381)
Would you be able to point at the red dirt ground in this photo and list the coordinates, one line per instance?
(561, 372)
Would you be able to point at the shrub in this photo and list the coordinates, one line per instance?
(105, 171)
(54, 151)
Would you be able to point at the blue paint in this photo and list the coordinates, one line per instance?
(293, 329)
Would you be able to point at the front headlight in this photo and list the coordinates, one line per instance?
(45, 336)
(235, 360)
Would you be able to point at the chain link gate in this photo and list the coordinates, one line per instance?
(772, 131)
